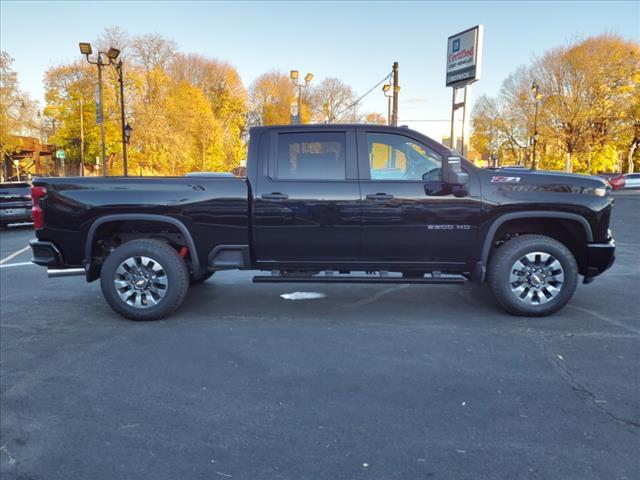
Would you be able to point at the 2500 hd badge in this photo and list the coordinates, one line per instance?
(448, 227)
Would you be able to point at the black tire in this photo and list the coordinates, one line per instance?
(503, 264)
(173, 270)
(203, 278)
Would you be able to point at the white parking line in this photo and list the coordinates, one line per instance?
(21, 264)
(14, 254)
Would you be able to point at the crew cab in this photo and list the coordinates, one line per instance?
(320, 203)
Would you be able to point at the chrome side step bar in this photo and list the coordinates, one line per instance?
(65, 272)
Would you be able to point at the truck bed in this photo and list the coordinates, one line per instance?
(214, 209)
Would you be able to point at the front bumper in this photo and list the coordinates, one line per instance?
(600, 257)
(45, 254)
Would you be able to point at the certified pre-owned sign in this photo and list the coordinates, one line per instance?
(464, 50)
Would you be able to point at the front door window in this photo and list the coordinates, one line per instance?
(396, 157)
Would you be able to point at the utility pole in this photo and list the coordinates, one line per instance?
(81, 139)
(396, 89)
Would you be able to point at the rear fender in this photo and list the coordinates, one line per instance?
(92, 269)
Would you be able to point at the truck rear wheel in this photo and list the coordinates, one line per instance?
(533, 275)
(144, 279)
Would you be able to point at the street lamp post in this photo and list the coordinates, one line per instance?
(386, 88)
(535, 89)
(81, 138)
(112, 54)
(307, 80)
(85, 49)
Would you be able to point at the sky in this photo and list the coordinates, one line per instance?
(354, 41)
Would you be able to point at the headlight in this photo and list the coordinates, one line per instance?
(600, 191)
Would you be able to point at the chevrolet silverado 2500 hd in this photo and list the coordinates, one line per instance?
(319, 203)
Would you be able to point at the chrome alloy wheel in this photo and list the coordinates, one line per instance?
(536, 278)
(141, 282)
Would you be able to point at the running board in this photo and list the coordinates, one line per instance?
(432, 280)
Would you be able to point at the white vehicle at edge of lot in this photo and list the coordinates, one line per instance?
(631, 180)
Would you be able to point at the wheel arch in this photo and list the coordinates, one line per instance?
(126, 217)
(557, 225)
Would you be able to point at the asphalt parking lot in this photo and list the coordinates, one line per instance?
(372, 382)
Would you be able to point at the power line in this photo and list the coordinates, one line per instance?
(367, 93)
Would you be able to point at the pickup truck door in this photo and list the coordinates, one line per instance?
(409, 216)
(306, 207)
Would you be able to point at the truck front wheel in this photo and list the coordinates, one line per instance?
(533, 275)
(144, 279)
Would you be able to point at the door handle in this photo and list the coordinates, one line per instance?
(379, 196)
(275, 196)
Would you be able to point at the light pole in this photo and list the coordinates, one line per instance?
(535, 89)
(85, 49)
(81, 138)
(386, 88)
(112, 55)
(307, 80)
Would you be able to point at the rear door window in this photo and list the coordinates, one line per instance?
(311, 156)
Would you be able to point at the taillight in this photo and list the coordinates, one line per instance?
(37, 193)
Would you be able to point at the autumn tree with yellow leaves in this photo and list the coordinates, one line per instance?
(270, 98)
(589, 110)
(188, 112)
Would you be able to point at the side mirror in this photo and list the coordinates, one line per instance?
(452, 172)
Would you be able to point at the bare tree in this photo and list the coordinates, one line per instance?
(330, 101)
(152, 51)
(114, 37)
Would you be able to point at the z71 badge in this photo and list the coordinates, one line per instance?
(503, 179)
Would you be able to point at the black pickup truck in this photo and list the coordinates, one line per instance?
(330, 203)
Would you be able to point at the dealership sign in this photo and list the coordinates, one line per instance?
(464, 51)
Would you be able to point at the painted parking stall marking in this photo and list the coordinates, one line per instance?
(14, 255)
(20, 264)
